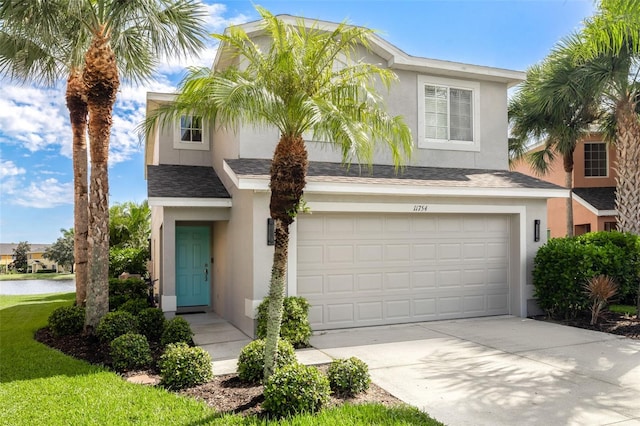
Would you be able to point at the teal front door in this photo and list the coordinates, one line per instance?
(193, 275)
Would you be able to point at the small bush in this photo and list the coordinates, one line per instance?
(349, 376)
(182, 366)
(134, 306)
(67, 320)
(130, 351)
(251, 359)
(295, 321)
(151, 323)
(295, 389)
(176, 330)
(115, 324)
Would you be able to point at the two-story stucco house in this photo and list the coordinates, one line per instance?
(593, 192)
(453, 235)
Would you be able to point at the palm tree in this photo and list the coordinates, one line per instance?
(611, 43)
(551, 106)
(299, 83)
(34, 48)
(132, 36)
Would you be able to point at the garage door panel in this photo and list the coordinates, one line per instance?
(339, 283)
(397, 281)
(380, 269)
(398, 309)
(311, 254)
(310, 285)
(369, 282)
(370, 311)
(424, 252)
(474, 305)
(340, 313)
(339, 253)
(451, 278)
(397, 252)
(369, 253)
(424, 279)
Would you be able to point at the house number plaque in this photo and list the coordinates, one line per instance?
(420, 208)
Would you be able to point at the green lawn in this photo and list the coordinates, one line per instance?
(41, 386)
(624, 309)
(45, 276)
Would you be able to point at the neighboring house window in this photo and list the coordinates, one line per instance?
(595, 160)
(191, 133)
(582, 229)
(448, 114)
(610, 226)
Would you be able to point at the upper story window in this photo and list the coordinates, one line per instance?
(595, 160)
(191, 133)
(448, 114)
(191, 129)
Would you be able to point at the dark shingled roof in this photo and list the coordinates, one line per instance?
(599, 198)
(169, 180)
(379, 174)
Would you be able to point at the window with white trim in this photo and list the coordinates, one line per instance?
(190, 133)
(595, 160)
(448, 114)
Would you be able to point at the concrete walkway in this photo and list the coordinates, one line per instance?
(486, 371)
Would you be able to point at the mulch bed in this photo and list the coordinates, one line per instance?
(609, 322)
(227, 394)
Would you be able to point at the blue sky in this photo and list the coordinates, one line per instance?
(36, 177)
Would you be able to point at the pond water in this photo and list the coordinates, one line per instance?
(37, 287)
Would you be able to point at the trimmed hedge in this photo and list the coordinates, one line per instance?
(295, 321)
(130, 351)
(115, 324)
(563, 266)
(120, 291)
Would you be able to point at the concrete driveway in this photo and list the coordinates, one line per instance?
(499, 370)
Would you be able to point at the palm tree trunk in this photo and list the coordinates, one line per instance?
(77, 105)
(628, 179)
(288, 178)
(101, 82)
(568, 182)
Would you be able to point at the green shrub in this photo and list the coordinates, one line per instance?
(251, 359)
(295, 389)
(134, 306)
(67, 320)
(122, 290)
(564, 265)
(115, 324)
(182, 366)
(131, 260)
(151, 323)
(130, 351)
(295, 321)
(176, 330)
(349, 376)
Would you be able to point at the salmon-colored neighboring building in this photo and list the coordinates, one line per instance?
(593, 188)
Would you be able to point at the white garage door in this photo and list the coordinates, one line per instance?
(370, 269)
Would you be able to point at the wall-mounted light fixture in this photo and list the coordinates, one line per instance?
(536, 230)
(271, 232)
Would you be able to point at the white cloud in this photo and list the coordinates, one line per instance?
(7, 168)
(43, 194)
